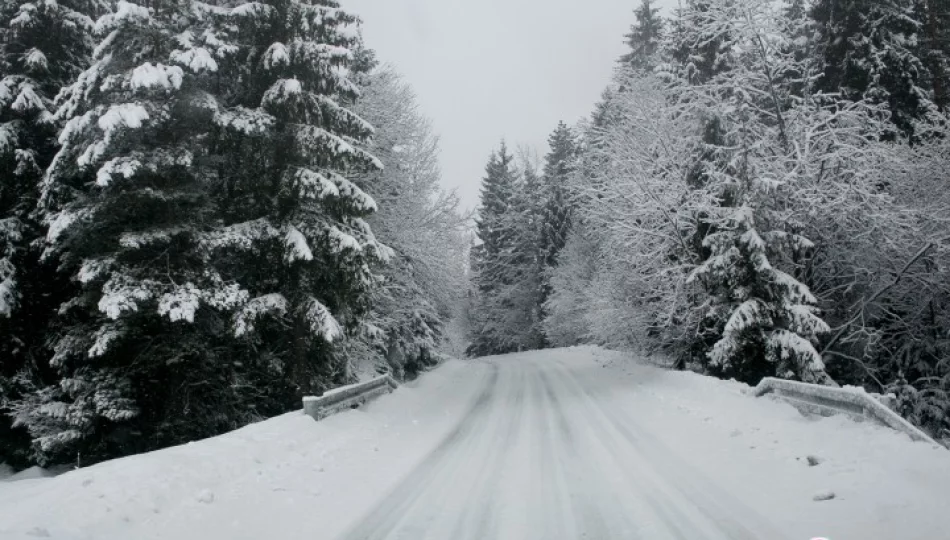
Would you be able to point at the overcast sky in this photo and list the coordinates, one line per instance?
(488, 69)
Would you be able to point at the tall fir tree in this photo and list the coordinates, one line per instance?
(125, 199)
(521, 292)
(199, 200)
(556, 211)
(489, 258)
(293, 229)
(43, 47)
(645, 38)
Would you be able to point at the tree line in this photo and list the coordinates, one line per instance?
(761, 191)
(207, 210)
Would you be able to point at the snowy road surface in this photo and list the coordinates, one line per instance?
(569, 443)
(543, 453)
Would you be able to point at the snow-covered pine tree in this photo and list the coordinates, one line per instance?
(645, 38)
(770, 321)
(292, 228)
(43, 48)
(868, 50)
(556, 205)
(519, 296)
(490, 275)
(934, 47)
(699, 47)
(559, 166)
(127, 199)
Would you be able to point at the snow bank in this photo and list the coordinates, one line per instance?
(884, 485)
(288, 477)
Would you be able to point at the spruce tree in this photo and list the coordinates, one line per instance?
(199, 198)
(521, 289)
(644, 39)
(43, 48)
(489, 258)
(293, 232)
(770, 325)
(126, 199)
(868, 51)
(559, 166)
(556, 207)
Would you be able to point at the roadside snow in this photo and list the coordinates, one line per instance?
(291, 478)
(883, 484)
(288, 477)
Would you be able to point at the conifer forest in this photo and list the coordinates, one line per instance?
(211, 209)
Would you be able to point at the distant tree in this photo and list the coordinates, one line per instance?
(557, 211)
(560, 164)
(490, 258)
(645, 38)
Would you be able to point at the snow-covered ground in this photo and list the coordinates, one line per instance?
(569, 443)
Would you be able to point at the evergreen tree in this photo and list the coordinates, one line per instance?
(556, 211)
(700, 48)
(868, 51)
(770, 323)
(489, 258)
(293, 232)
(644, 39)
(43, 47)
(199, 199)
(934, 46)
(521, 291)
(126, 198)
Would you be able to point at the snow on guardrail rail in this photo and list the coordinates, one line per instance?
(347, 397)
(827, 401)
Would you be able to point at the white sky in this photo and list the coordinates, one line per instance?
(488, 69)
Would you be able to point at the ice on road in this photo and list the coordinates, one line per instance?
(543, 453)
(577, 443)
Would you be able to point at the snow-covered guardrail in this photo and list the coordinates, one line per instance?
(347, 397)
(827, 401)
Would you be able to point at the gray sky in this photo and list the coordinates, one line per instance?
(487, 69)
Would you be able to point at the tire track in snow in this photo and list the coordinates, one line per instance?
(408, 494)
(687, 491)
(541, 453)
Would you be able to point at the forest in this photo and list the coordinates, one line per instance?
(211, 209)
(762, 191)
(208, 211)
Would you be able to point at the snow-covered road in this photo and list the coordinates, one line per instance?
(568, 443)
(544, 453)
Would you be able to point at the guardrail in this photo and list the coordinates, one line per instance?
(826, 401)
(347, 397)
